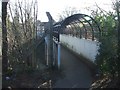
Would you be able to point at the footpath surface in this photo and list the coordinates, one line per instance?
(76, 73)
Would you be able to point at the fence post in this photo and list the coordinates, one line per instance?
(59, 61)
(50, 40)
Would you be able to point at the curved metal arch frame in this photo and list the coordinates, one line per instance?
(80, 28)
(76, 24)
(96, 25)
(91, 27)
(73, 24)
(71, 28)
(76, 17)
(85, 29)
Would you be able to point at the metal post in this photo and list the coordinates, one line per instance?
(59, 55)
(46, 50)
(50, 40)
(54, 54)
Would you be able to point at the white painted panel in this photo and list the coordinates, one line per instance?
(85, 47)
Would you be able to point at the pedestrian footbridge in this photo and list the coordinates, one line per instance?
(67, 44)
(80, 33)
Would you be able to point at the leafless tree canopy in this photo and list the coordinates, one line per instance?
(21, 26)
(68, 12)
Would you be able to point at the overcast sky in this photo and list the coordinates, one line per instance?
(55, 7)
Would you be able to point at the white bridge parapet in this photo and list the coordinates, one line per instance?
(85, 47)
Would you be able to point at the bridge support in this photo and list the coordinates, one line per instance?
(57, 53)
(51, 50)
(49, 41)
(46, 51)
(54, 53)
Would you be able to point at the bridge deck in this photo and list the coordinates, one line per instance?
(76, 73)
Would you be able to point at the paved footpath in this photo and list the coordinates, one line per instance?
(76, 73)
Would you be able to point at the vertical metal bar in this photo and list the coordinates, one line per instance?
(91, 28)
(46, 50)
(59, 55)
(53, 53)
(47, 63)
(50, 42)
(80, 28)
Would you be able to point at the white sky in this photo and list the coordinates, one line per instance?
(57, 6)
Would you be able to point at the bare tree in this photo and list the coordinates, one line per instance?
(68, 12)
(22, 34)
